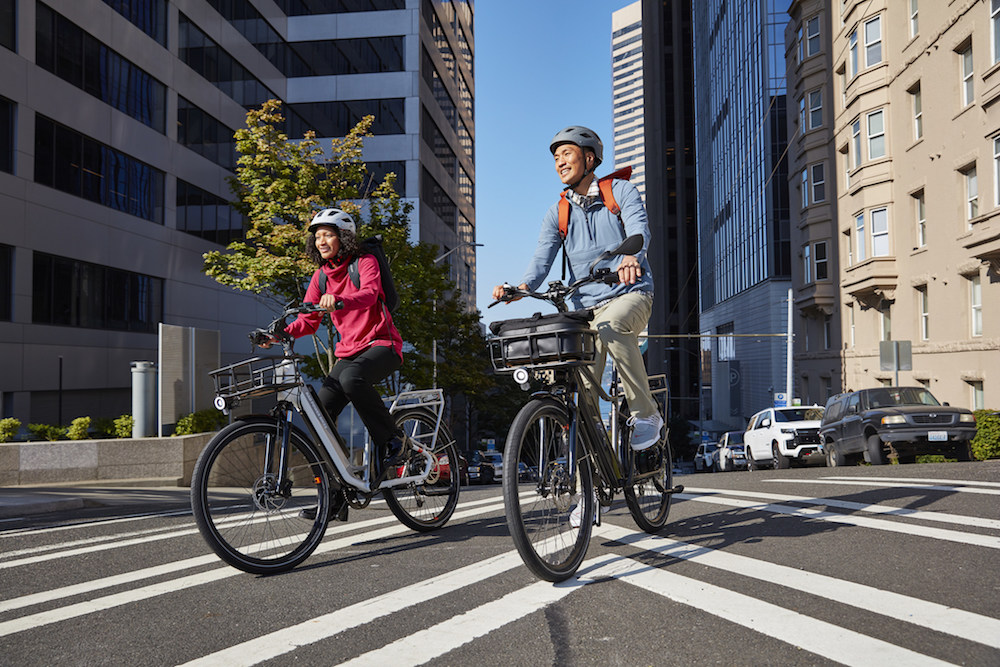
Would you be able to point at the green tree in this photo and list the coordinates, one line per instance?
(280, 183)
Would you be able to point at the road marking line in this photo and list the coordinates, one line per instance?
(818, 637)
(922, 480)
(923, 515)
(974, 539)
(931, 615)
(80, 609)
(855, 481)
(288, 639)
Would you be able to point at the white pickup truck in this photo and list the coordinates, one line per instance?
(781, 436)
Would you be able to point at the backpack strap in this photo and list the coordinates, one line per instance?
(321, 281)
(607, 198)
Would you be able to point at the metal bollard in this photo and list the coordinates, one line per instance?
(143, 399)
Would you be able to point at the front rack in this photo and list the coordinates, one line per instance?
(256, 376)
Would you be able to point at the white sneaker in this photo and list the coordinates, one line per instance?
(646, 431)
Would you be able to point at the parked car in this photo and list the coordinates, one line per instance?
(894, 422)
(481, 469)
(444, 467)
(704, 458)
(782, 436)
(485, 467)
(732, 454)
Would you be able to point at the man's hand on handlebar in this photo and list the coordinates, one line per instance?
(506, 292)
(629, 271)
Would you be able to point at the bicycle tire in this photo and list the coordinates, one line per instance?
(246, 525)
(539, 497)
(425, 507)
(648, 498)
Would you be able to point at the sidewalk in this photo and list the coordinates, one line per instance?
(21, 501)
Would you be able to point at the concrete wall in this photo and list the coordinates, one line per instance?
(168, 461)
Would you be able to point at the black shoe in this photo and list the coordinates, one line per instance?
(648, 460)
(338, 509)
(392, 457)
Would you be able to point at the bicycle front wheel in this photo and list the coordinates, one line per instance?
(424, 507)
(246, 516)
(549, 510)
(648, 497)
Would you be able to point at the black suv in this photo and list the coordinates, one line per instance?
(887, 422)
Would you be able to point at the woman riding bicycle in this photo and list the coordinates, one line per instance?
(370, 347)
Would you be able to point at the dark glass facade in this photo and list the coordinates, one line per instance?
(207, 216)
(378, 170)
(8, 23)
(437, 200)
(335, 119)
(69, 292)
(150, 16)
(309, 7)
(206, 136)
(71, 162)
(7, 114)
(73, 55)
(6, 282)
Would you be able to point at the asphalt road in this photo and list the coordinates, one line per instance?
(891, 565)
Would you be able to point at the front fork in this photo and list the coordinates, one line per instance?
(276, 453)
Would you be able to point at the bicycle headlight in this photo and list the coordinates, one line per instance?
(220, 403)
(521, 376)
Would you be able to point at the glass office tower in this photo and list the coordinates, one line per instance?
(116, 125)
(744, 250)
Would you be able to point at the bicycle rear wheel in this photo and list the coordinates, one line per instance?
(244, 517)
(540, 495)
(648, 496)
(424, 507)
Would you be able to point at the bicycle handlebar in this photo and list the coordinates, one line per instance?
(275, 331)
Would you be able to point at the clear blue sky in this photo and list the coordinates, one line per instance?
(540, 66)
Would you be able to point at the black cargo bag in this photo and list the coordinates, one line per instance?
(542, 340)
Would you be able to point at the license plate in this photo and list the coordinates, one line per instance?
(937, 436)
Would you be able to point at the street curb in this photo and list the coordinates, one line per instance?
(18, 510)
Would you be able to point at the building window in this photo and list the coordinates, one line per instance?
(819, 255)
(921, 216)
(8, 23)
(806, 264)
(996, 171)
(150, 16)
(873, 42)
(914, 19)
(69, 292)
(73, 55)
(859, 224)
(7, 108)
(202, 214)
(976, 304)
(876, 134)
(818, 182)
(802, 115)
(309, 7)
(923, 308)
(852, 42)
(856, 143)
(6, 282)
(71, 162)
(205, 135)
(815, 109)
(437, 199)
(812, 36)
(971, 194)
(968, 77)
(805, 187)
(850, 324)
(880, 232)
(918, 113)
(827, 336)
(995, 29)
(978, 399)
(335, 119)
(885, 320)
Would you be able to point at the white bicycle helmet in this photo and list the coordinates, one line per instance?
(333, 217)
(582, 137)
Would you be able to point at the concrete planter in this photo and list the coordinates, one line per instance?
(153, 461)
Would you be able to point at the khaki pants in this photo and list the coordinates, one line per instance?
(618, 326)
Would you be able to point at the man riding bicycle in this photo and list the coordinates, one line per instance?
(621, 311)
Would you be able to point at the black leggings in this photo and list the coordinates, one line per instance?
(352, 380)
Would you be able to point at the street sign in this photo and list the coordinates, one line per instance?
(780, 400)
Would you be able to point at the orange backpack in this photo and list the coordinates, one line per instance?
(607, 198)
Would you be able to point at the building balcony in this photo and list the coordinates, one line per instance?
(818, 298)
(983, 242)
(872, 281)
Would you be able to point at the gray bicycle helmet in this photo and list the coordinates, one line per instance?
(582, 137)
(333, 217)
